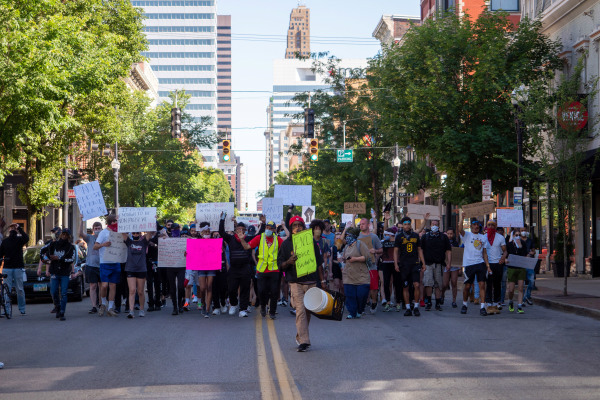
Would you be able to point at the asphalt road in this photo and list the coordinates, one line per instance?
(542, 354)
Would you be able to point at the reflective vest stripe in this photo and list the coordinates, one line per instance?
(267, 256)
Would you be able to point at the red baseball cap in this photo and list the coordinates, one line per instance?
(296, 219)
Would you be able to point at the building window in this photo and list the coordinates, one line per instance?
(200, 107)
(223, 62)
(182, 54)
(448, 4)
(193, 93)
(180, 16)
(174, 3)
(505, 5)
(183, 81)
(224, 49)
(183, 67)
(181, 42)
(158, 29)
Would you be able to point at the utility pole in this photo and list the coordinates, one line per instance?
(66, 195)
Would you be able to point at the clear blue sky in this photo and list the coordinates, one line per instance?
(252, 60)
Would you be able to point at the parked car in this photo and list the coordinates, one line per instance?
(39, 286)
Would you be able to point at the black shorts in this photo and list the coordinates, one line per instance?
(410, 273)
(138, 275)
(336, 271)
(475, 271)
(92, 274)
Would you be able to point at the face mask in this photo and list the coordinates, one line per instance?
(206, 236)
(52, 235)
(282, 234)
(350, 239)
(268, 233)
(387, 237)
(435, 229)
(135, 237)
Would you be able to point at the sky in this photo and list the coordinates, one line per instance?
(252, 60)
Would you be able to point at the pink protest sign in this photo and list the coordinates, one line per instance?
(204, 254)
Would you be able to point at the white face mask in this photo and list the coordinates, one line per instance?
(435, 229)
(206, 236)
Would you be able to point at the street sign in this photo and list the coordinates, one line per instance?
(345, 155)
(518, 197)
(71, 193)
(486, 187)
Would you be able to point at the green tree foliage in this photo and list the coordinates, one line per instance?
(446, 91)
(60, 76)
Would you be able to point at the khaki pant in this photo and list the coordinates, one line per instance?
(302, 316)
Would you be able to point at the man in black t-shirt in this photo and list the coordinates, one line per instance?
(408, 259)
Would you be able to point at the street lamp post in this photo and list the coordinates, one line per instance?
(518, 96)
(116, 165)
(396, 162)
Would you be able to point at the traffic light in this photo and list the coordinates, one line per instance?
(226, 150)
(314, 150)
(309, 123)
(176, 122)
(246, 206)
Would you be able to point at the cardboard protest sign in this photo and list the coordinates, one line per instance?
(347, 218)
(117, 251)
(211, 213)
(477, 209)
(309, 213)
(204, 254)
(299, 195)
(508, 217)
(368, 241)
(246, 220)
(355, 208)
(137, 219)
(171, 252)
(305, 251)
(457, 256)
(521, 262)
(418, 211)
(272, 209)
(90, 201)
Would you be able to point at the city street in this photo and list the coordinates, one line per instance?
(542, 354)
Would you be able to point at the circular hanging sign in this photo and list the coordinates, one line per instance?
(573, 116)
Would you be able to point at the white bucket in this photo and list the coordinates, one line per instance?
(318, 301)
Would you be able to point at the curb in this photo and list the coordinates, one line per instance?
(564, 307)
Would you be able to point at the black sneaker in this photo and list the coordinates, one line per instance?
(416, 312)
(94, 310)
(442, 301)
(150, 309)
(180, 310)
(483, 312)
(57, 314)
(528, 300)
(454, 305)
(273, 316)
(54, 310)
(428, 307)
(175, 312)
(408, 313)
(302, 348)
(263, 312)
(463, 310)
(62, 316)
(293, 311)
(438, 307)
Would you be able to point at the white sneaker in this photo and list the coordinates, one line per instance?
(142, 313)
(372, 310)
(217, 311)
(1, 365)
(194, 299)
(243, 314)
(224, 310)
(233, 310)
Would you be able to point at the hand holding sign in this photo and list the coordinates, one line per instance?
(304, 250)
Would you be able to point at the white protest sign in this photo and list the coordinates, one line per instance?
(211, 213)
(137, 219)
(521, 262)
(418, 211)
(247, 221)
(508, 217)
(171, 252)
(309, 213)
(272, 209)
(347, 218)
(90, 201)
(299, 195)
(117, 251)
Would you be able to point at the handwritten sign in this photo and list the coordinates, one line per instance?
(305, 251)
(137, 219)
(508, 217)
(521, 262)
(117, 251)
(90, 201)
(247, 221)
(309, 213)
(300, 195)
(477, 209)
(171, 252)
(355, 208)
(347, 218)
(211, 213)
(272, 209)
(457, 256)
(418, 211)
(204, 254)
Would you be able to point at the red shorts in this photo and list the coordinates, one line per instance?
(374, 280)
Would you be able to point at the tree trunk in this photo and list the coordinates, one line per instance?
(374, 188)
(32, 221)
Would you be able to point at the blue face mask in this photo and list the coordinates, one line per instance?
(282, 234)
(350, 239)
(268, 233)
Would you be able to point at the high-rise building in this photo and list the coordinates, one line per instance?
(298, 37)
(391, 28)
(183, 54)
(224, 72)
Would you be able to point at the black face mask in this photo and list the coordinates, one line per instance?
(63, 241)
(136, 237)
(13, 234)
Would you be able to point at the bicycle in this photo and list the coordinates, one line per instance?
(5, 301)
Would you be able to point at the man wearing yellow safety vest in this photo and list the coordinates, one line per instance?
(267, 270)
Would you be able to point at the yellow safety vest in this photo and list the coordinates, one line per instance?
(267, 256)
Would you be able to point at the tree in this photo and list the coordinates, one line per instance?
(446, 91)
(561, 145)
(60, 77)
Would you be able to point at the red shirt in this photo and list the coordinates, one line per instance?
(254, 243)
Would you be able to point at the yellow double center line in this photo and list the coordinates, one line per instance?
(287, 386)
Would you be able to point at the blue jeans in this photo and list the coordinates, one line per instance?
(531, 279)
(503, 290)
(14, 278)
(356, 298)
(61, 281)
(476, 288)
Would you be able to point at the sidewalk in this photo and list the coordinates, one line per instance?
(583, 298)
